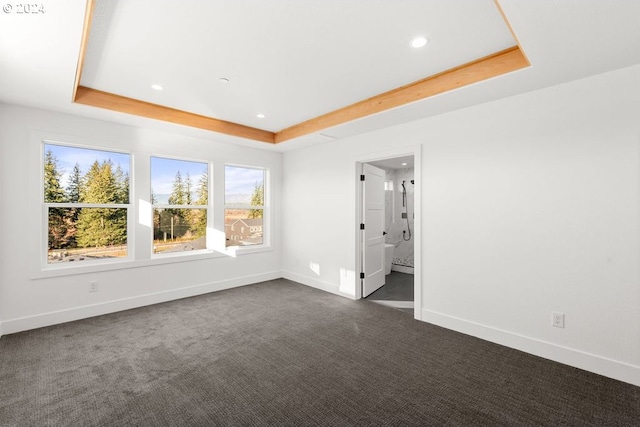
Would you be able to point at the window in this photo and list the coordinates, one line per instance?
(86, 204)
(244, 205)
(180, 197)
(90, 217)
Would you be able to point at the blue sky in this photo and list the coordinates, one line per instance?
(163, 173)
(238, 180)
(68, 157)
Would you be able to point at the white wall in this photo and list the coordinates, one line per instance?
(530, 205)
(28, 301)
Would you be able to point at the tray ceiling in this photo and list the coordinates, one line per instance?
(303, 65)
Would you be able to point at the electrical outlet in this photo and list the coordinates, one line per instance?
(93, 286)
(557, 320)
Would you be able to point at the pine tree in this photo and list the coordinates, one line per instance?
(172, 221)
(200, 220)
(187, 189)
(190, 215)
(74, 187)
(54, 193)
(203, 188)
(177, 192)
(257, 199)
(122, 184)
(102, 226)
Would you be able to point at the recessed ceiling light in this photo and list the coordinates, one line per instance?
(404, 164)
(156, 87)
(419, 42)
(260, 116)
(223, 80)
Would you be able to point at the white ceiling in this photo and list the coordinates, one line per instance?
(404, 162)
(293, 60)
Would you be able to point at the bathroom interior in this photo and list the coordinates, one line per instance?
(400, 184)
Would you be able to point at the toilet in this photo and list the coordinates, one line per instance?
(388, 257)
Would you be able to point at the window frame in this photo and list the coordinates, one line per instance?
(139, 209)
(266, 244)
(45, 206)
(209, 208)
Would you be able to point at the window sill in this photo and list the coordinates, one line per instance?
(47, 272)
(234, 251)
(161, 259)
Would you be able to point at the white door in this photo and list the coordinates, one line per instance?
(372, 235)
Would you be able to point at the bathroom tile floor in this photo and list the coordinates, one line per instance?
(398, 287)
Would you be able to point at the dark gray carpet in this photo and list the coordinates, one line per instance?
(283, 354)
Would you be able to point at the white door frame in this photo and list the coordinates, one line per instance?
(416, 152)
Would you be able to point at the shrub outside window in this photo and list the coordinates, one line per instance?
(180, 198)
(86, 203)
(244, 206)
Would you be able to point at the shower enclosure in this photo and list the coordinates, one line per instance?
(399, 221)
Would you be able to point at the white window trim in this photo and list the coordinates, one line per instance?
(140, 249)
(267, 228)
(209, 206)
(44, 209)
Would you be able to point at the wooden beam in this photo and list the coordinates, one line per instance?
(110, 101)
(88, 17)
(513, 33)
(494, 65)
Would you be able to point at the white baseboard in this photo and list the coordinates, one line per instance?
(589, 362)
(315, 283)
(53, 318)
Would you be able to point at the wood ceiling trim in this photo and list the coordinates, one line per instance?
(97, 98)
(88, 18)
(513, 33)
(122, 104)
(494, 65)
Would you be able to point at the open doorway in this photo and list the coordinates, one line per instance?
(400, 229)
